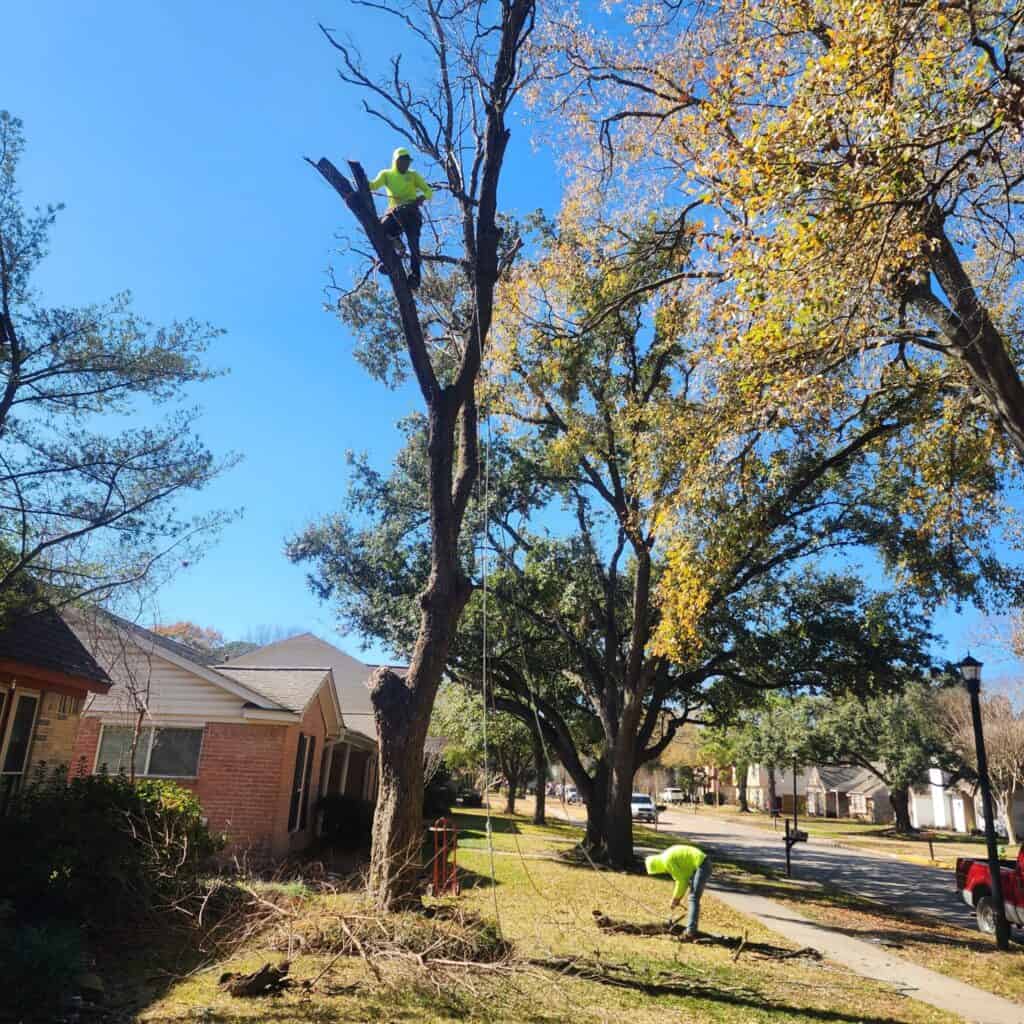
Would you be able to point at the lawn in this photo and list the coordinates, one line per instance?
(543, 903)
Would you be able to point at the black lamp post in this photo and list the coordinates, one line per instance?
(970, 670)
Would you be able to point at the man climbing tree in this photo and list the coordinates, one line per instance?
(459, 123)
(406, 191)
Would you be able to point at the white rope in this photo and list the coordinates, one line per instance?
(484, 563)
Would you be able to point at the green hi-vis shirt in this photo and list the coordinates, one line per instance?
(401, 188)
(680, 862)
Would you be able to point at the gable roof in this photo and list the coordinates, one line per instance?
(840, 778)
(290, 688)
(868, 784)
(98, 629)
(351, 676)
(44, 640)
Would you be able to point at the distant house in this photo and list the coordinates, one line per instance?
(869, 800)
(757, 788)
(46, 674)
(936, 802)
(257, 742)
(847, 792)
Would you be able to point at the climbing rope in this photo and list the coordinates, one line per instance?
(484, 564)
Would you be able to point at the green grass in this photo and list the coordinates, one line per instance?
(543, 904)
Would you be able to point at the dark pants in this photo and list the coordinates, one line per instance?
(697, 883)
(406, 220)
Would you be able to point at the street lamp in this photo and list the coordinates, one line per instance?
(970, 671)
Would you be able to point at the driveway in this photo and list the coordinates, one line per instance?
(897, 883)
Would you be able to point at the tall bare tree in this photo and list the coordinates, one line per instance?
(458, 121)
(1004, 744)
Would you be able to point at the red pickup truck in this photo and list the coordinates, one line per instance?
(974, 883)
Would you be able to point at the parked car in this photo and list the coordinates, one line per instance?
(672, 795)
(642, 808)
(974, 883)
(571, 796)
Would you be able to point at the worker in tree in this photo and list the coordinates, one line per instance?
(690, 868)
(406, 190)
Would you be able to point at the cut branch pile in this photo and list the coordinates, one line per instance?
(449, 935)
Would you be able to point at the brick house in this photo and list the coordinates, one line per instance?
(46, 674)
(350, 759)
(256, 743)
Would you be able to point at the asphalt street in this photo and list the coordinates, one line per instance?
(894, 882)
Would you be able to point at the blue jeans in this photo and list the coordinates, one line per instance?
(697, 883)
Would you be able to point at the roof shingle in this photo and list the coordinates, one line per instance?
(45, 640)
(292, 688)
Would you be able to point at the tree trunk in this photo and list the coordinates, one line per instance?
(900, 800)
(595, 799)
(396, 852)
(618, 817)
(540, 769)
(771, 789)
(513, 787)
(742, 789)
(1003, 804)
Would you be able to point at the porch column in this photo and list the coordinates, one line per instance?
(325, 771)
(344, 767)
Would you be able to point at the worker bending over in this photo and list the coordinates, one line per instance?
(690, 867)
(406, 190)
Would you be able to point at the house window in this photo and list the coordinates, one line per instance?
(159, 753)
(69, 705)
(298, 809)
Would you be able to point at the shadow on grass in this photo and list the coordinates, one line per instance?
(650, 985)
(473, 825)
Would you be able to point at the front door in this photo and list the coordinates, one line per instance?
(16, 743)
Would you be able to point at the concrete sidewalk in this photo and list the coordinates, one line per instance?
(870, 961)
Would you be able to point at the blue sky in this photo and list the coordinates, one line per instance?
(174, 134)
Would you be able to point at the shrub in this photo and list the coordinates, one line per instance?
(101, 848)
(45, 961)
(347, 822)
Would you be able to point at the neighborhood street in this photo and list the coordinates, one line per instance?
(897, 883)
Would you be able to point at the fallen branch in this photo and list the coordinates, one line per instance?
(266, 981)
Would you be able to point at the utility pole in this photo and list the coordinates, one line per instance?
(970, 670)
